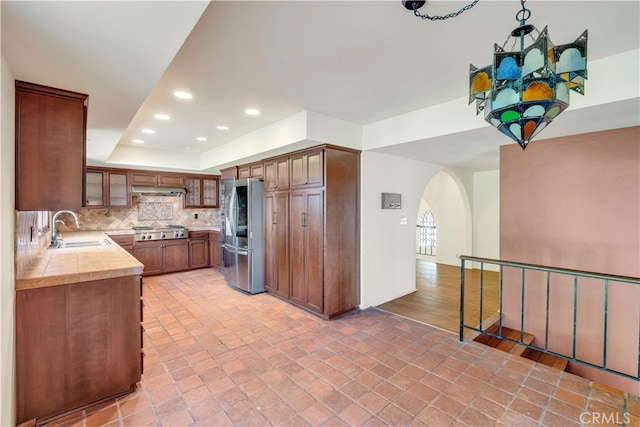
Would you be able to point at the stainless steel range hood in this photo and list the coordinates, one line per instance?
(149, 190)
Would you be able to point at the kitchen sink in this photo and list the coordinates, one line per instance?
(81, 243)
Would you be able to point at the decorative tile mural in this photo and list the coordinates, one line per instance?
(151, 211)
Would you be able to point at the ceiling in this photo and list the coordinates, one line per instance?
(358, 61)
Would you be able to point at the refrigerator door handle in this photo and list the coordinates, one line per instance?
(235, 250)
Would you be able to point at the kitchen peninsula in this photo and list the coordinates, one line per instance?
(78, 332)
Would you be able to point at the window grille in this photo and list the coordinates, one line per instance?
(427, 234)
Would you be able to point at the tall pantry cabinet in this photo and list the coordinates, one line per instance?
(311, 228)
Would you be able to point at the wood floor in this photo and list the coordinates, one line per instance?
(436, 301)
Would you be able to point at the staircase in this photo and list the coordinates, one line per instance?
(518, 349)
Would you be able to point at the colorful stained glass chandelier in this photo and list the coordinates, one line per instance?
(524, 90)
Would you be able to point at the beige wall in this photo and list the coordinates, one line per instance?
(7, 279)
(574, 202)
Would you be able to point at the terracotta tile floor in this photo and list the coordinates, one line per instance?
(217, 357)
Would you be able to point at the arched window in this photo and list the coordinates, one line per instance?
(427, 234)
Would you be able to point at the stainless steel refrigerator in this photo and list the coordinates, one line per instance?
(242, 233)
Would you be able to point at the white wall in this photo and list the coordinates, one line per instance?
(7, 278)
(486, 215)
(450, 212)
(388, 248)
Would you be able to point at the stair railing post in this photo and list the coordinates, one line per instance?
(546, 326)
(522, 308)
(481, 292)
(462, 300)
(606, 321)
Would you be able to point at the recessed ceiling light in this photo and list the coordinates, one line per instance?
(222, 127)
(201, 138)
(187, 148)
(137, 141)
(161, 116)
(182, 94)
(149, 131)
(252, 111)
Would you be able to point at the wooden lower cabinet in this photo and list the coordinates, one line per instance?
(198, 249)
(215, 252)
(162, 256)
(276, 236)
(307, 248)
(124, 240)
(76, 344)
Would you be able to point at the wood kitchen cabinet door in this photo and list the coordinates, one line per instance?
(193, 198)
(276, 228)
(50, 133)
(215, 251)
(307, 169)
(76, 344)
(118, 190)
(307, 248)
(198, 249)
(276, 174)
(210, 191)
(124, 240)
(175, 255)
(144, 178)
(94, 189)
(150, 254)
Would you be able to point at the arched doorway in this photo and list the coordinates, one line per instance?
(446, 207)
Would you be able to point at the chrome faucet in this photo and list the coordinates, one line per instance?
(54, 229)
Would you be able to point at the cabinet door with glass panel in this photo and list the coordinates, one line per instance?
(107, 188)
(202, 192)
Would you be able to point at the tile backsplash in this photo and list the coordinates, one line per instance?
(145, 210)
(28, 242)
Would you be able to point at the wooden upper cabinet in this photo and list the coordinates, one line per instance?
(276, 174)
(254, 170)
(162, 179)
(229, 173)
(202, 191)
(194, 192)
(257, 170)
(94, 188)
(50, 136)
(210, 190)
(144, 178)
(107, 188)
(167, 179)
(307, 169)
(244, 172)
(118, 189)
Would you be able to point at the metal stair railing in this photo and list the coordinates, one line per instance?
(576, 274)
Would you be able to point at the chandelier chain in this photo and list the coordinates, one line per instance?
(523, 14)
(447, 16)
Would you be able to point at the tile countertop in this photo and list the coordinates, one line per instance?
(63, 266)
